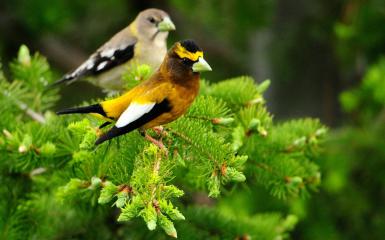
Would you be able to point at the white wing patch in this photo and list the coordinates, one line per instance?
(101, 65)
(132, 113)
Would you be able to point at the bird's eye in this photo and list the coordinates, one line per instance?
(151, 20)
(186, 60)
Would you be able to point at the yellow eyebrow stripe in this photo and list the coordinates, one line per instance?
(183, 53)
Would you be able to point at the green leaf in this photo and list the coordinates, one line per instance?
(71, 188)
(131, 210)
(170, 191)
(263, 86)
(23, 56)
(149, 215)
(234, 175)
(223, 121)
(107, 193)
(48, 149)
(214, 186)
(122, 198)
(167, 225)
(236, 92)
(238, 135)
(167, 208)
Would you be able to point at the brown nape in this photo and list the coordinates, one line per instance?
(180, 72)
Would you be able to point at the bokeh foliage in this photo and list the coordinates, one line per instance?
(308, 39)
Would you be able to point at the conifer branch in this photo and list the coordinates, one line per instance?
(226, 136)
(190, 141)
(34, 115)
(24, 107)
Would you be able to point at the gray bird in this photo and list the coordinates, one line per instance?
(142, 42)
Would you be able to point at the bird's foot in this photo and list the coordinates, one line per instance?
(157, 143)
(159, 130)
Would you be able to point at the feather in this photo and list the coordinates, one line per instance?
(132, 113)
(96, 108)
(117, 52)
(157, 110)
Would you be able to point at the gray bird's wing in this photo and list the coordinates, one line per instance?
(118, 50)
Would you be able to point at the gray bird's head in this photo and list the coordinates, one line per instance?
(153, 25)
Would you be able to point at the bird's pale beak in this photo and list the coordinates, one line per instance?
(166, 25)
(201, 66)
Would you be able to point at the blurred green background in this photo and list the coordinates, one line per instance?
(312, 50)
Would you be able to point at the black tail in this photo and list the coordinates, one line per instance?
(96, 108)
(114, 132)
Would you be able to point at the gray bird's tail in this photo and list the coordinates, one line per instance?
(69, 78)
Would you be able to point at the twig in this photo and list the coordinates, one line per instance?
(24, 107)
(34, 115)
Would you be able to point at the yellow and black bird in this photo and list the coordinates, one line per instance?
(144, 41)
(164, 97)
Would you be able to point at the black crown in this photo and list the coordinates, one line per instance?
(190, 45)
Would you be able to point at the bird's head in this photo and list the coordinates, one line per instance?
(153, 24)
(186, 58)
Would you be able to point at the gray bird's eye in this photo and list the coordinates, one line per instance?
(151, 20)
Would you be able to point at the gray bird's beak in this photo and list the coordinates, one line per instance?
(166, 25)
(201, 66)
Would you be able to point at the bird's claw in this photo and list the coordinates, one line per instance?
(158, 143)
(159, 130)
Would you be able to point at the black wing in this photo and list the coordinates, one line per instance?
(155, 112)
(100, 62)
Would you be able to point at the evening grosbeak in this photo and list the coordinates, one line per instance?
(142, 42)
(164, 97)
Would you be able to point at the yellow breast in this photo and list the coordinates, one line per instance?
(180, 98)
